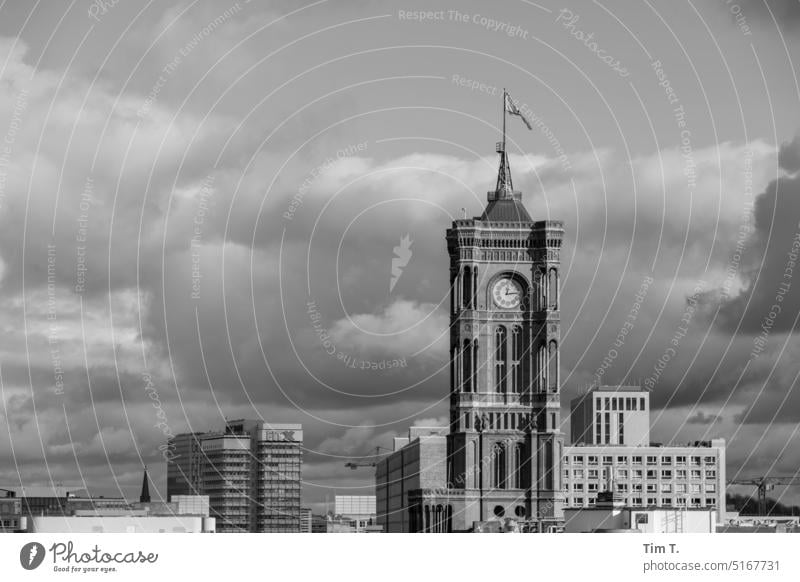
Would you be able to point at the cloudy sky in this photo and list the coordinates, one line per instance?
(200, 202)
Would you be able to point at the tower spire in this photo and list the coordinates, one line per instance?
(144, 496)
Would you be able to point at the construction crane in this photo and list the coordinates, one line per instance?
(370, 461)
(764, 484)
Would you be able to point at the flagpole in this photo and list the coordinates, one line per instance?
(504, 122)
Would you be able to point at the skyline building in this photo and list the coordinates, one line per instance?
(251, 472)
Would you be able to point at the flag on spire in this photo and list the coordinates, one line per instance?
(512, 108)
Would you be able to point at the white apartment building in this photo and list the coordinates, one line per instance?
(611, 431)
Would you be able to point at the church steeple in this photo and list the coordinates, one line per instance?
(144, 496)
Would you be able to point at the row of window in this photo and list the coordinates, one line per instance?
(508, 374)
(621, 403)
(665, 460)
(642, 474)
(650, 487)
(651, 501)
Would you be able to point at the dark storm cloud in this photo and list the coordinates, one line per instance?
(789, 153)
(785, 12)
(770, 301)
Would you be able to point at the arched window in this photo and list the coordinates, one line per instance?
(540, 297)
(516, 359)
(518, 466)
(552, 289)
(500, 339)
(499, 481)
(466, 288)
(473, 297)
(466, 361)
(475, 360)
(473, 483)
(552, 366)
(541, 368)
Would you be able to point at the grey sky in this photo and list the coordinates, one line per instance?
(281, 151)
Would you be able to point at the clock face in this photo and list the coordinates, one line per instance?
(507, 293)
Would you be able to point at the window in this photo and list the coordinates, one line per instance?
(636, 487)
(711, 487)
(552, 366)
(620, 429)
(622, 487)
(666, 501)
(695, 461)
(681, 473)
(710, 460)
(651, 488)
(552, 289)
(577, 486)
(696, 474)
(592, 500)
(622, 460)
(651, 501)
(592, 487)
(578, 459)
(636, 460)
(652, 460)
(680, 460)
(652, 474)
(608, 459)
(666, 488)
(711, 474)
(641, 403)
(518, 450)
(680, 488)
(577, 473)
(517, 351)
(666, 460)
(592, 459)
(696, 488)
(614, 404)
(636, 473)
(680, 501)
(711, 502)
(579, 501)
(500, 359)
(666, 473)
(637, 501)
(500, 466)
(622, 473)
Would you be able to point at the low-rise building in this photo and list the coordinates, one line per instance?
(611, 515)
(679, 477)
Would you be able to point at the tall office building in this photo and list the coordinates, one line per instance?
(611, 415)
(185, 468)
(504, 447)
(226, 480)
(251, 472)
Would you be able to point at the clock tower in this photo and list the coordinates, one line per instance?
(505, 445)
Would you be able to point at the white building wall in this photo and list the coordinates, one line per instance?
(122, 524)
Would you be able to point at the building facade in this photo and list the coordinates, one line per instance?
(680, 477)
(504, 446)
(251, 472)
(610, 428)
(611, 415)
(185, 471)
